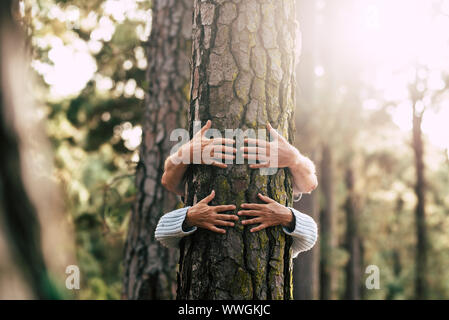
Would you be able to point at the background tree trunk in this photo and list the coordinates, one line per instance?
(421, 232)
(306, 271)
(243, 76)
(150, 269)
(353, 267)
(327, 225)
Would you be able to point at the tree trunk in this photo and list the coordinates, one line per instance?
(421, 233)
(353, 267)
(327, 225)
(19, 220)
(306, 271)
(242, 76)
(150, 269)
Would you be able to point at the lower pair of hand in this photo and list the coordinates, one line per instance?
(268, 214)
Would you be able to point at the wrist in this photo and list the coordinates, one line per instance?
(296, 158)
(188, 220)
(289, 218)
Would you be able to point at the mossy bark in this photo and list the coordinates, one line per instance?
(243, 75)
(150, 269)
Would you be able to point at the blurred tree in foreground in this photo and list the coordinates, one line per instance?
(29, 207)
(92, 64)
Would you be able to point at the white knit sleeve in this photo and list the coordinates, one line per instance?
(169, 229)
(305, 233)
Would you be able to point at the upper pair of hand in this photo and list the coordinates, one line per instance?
(269, 214)
(215, 151)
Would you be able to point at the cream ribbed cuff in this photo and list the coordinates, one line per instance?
(169, 230)
(305, 233)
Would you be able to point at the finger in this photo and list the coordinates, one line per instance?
(254, 206)
(216, 230)
(256, 150)
(259, 165)
(223, 223)
(223, 208)
(251, 213)
(209, 197)
(223, 141)
(227, 217)
(265, 198)
(255, 157)
(224, 149)
(256, 142)
(251, 221)
(219, 164)
(259, 228)
(219, 155)
(206, 127)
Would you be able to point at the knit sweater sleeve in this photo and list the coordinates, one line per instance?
(305, 233)
(169, 230)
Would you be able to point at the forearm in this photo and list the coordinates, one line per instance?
(173, 177)
(304, 176)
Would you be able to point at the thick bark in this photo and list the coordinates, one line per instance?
(327, 225)
(150, 269)
(242, 76)
(420, 215)
(306, 271)
(354, 266)
(18, 215)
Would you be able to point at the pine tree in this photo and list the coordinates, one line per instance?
(150, 269)
(243, 75)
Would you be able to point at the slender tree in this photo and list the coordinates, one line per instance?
(327, 242)
(420, 189)
(353, 246)
(306, 268)
(243, 75)
(150, 269)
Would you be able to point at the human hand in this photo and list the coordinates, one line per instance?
(267, 215)
(279, 149)
(207, 217)
(209, 151)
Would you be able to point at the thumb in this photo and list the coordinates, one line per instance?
(272, 131)
(209, 198)
(265, 198)
(206, 127)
